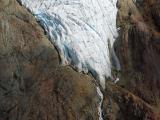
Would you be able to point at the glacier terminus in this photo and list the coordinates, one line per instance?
(83, 31)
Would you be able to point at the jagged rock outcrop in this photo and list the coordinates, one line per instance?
(33, 86)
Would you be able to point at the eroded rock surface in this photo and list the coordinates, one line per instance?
(138, 49)
(33, 86)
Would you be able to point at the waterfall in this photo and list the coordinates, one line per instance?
(100, 111)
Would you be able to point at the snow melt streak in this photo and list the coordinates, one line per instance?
(81, 30)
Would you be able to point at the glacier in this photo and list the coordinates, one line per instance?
(83, 31)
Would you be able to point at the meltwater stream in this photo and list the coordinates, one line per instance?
(83, 31)
(100, 112)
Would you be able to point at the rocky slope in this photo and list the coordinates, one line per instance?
(120, 104)
(139, 51)
(34, 86)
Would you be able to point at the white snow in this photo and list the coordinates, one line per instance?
(83, 31)
(117, 79)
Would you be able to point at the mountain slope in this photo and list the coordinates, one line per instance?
(34, 86)
(32, 83)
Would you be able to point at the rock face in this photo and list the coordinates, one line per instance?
(120, 104)
(33, 86)
(138, 48)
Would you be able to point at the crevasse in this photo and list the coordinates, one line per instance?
(83, 31)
